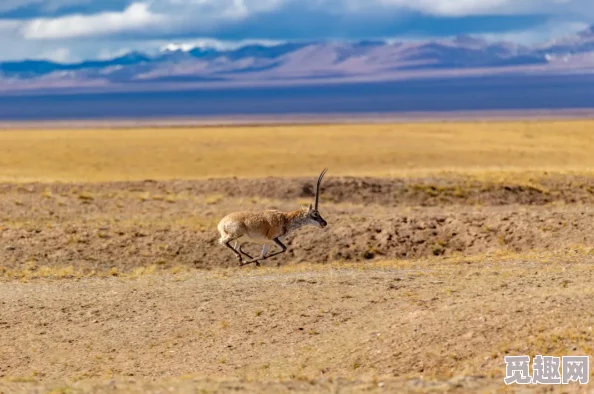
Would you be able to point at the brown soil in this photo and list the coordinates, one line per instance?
(383, 324)
(353, 324)
(434, 191)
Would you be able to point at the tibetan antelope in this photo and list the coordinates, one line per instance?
(267, 227)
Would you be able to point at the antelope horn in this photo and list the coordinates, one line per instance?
(318, 188)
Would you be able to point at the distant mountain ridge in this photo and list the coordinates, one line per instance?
(297, 62)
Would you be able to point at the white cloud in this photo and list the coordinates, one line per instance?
(223, 8)
(58, 38)
(491, 7)
(238, 9)
(108, 53)
(9, 28)
(136, 16)
(163, 15)
(202, 17)
(449, 7)
(546, 32)
(60, 55)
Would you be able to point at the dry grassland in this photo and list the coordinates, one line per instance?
(449, 246)
(356, 150)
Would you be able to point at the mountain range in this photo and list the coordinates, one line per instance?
(295, 63)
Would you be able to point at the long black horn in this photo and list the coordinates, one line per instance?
(318, 188)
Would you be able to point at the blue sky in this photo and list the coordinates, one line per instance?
(71, 30)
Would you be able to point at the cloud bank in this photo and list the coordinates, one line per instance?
(85, 28)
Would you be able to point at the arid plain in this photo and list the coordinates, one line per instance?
(449, 246)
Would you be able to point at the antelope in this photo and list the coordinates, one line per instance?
(267, 228)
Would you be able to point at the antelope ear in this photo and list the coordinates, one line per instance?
(310, 208)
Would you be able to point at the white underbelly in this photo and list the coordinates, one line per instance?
(256, 239)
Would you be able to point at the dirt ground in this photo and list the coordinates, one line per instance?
(374, 328)
(416, 285)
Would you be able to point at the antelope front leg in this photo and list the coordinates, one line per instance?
(257, 260)
(279, 243)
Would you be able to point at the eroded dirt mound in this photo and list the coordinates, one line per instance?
(387, 192)
(356, 235)
(123, 226)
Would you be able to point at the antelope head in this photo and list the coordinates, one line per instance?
(313, 215)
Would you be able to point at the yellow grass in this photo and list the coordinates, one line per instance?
(381, 150)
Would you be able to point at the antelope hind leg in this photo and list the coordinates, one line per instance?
(235, 252)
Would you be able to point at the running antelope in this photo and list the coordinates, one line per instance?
(267, 228)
